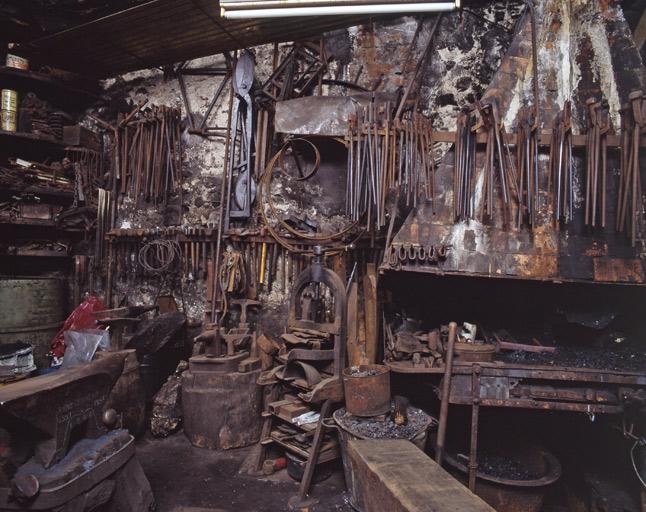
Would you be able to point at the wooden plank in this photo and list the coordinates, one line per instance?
(640, 31)
(395, 475)
(354, 352)
(370, 305)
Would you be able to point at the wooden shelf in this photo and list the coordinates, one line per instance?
(67, 195)
(36, 253)
(34, 137)
(59, 92)
(28, 222)
(328, 453)
(36, 223)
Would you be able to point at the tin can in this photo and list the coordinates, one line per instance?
(14, 61)
(9, 100)
(9, 120)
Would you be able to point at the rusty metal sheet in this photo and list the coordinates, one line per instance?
(618, 270)
(321, 115)
(536, 265)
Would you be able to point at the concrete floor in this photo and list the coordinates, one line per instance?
(189, 479)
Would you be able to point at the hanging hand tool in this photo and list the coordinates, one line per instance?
(596, 163)
(384, 153)
(638, 105)
(561, 176)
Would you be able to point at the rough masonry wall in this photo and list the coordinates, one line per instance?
(466, 53)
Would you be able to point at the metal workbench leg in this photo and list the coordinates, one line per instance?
(475, 410)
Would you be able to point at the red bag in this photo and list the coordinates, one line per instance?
(81, 318)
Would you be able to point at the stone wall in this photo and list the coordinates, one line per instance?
(383, 55)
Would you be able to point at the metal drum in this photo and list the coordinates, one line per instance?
(367, 389)
(32, 310)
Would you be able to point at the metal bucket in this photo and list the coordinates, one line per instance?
(33, 310)
(367, 389)
(346, 434)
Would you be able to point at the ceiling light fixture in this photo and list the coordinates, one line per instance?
(287, 8)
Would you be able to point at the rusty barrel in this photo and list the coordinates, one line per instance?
(367, 389)
(33, 310)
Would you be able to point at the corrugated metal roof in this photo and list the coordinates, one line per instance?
(161, 32)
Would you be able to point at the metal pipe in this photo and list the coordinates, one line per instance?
(336, 9)
(475, 410)
(225, 195)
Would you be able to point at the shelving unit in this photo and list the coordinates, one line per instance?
(34, 236)
(48, 87)
(282, 414)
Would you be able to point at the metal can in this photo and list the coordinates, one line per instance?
(367, 389)
(9, 120)
(14, 61)
(9, 100)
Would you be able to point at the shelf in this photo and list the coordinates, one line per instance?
(36, 253)
(36, 223)
(34, 137)
(29, 222)
(68, 195)
(44, 86)
(329, 450)
(30, 146)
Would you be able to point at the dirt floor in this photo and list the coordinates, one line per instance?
(189, 479)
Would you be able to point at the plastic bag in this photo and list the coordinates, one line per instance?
(81, 318)
(80, 346)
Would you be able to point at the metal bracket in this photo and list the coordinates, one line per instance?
(203, 129)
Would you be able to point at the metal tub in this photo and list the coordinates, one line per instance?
(347, 433)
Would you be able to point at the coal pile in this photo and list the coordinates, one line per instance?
(373, 428)
(506, 468)
(619, 359)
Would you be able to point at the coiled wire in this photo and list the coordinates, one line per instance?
(159, 256)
